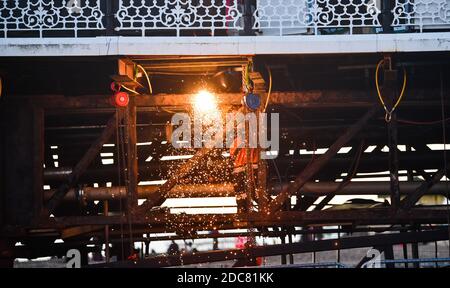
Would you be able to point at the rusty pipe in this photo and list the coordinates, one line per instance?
(227, 190)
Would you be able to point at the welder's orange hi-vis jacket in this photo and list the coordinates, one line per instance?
(240, 156)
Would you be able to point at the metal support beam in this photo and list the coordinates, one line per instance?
(389, 255)
(320, 162)
(106, 213)
(390, 97)
(248, 18)
(226, 190)
(373, 216)
(314, 99)
(412, 198)
(83, 164)
(132, 163)
(38, 161)
(386, 19)
(158, 198)
(273, 250)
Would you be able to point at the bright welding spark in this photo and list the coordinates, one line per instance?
(205, 103)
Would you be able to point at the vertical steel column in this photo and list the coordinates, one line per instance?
(415, 250)
(132, 163)
(291, 256)
(249, 185)
(105, 213)
(38, 161)
(389, 255)
(405, 251)
(389, 92)
(248, 23)
(109, 17)
(386, 16)
(283, 256)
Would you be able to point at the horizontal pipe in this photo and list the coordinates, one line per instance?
(368, 163)
(227, 190)
(360, 188)
(179, 191)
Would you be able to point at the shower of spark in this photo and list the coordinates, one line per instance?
(205, 104)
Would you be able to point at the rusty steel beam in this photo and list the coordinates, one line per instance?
(280, 249)
(145, 191)
(303, 99)
(412, 198)
(320, 162)
(158, 198)
(389, 94)
(131, 154)
(38, 161)
(370, 162)
(226, 190)
(83, 164)
(174, 222)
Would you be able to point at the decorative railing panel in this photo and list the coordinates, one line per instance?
(178, 15)
(41, 16)
(309, 16)
(422, 14)
(92, 18)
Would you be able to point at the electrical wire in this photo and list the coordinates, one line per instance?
(380, 97)
(130, 90)
(269, 92)
(412, 122)
(150, 88)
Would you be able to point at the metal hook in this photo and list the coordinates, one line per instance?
(388, 116)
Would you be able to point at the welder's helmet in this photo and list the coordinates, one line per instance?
(251, 101)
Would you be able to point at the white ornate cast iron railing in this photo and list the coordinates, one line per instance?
(178, 15)
(91, 18)
(312, 16)
(422, 14)
(37, 17)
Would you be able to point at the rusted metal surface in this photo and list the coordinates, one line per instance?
(408, 202)
(38, 159)
(82, 165)
(279, 249)
(226, 190)
(158, 198)
(305, 99)
(367, 216)
(321, 161)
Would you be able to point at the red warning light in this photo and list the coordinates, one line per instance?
(119, 98)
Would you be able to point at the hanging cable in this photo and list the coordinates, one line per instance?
(150, 88)
(129, 89)
(380, 97)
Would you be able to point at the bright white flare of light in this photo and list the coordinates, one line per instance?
(205, 102)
